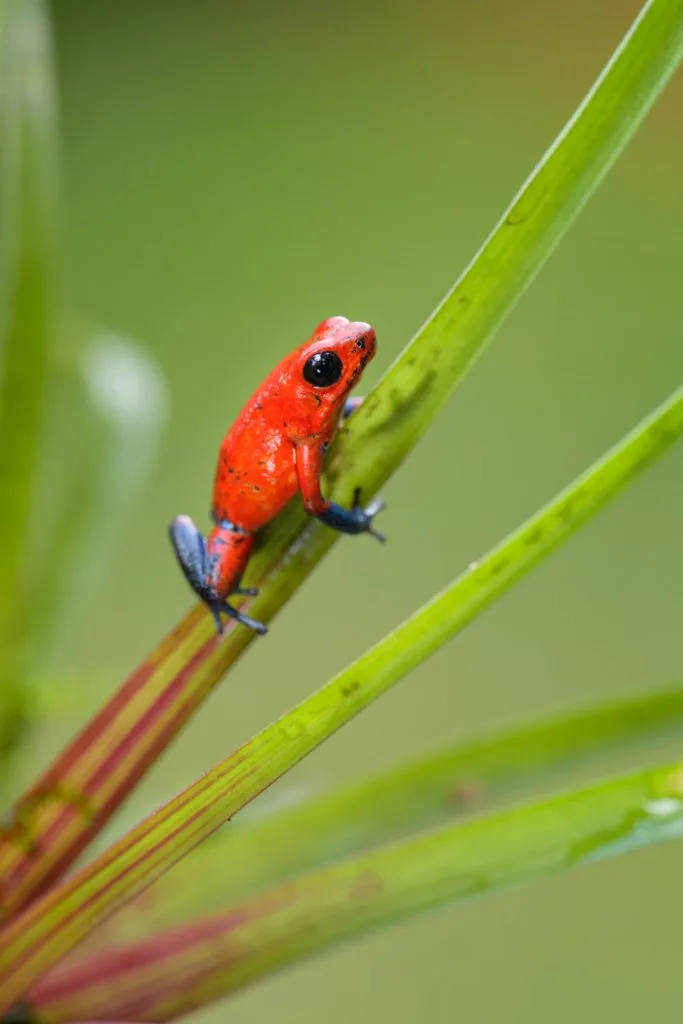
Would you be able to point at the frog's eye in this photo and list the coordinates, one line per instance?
(323, 369)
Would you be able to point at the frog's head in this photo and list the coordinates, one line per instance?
(332, 361)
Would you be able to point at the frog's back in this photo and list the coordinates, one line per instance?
(256, 472)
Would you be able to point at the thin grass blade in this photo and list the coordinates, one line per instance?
(179, 971)
(425, 793)
(125, 399)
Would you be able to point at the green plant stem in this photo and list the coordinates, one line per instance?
(55, 923)
(177, 972)
(424, 375)
(424, 793)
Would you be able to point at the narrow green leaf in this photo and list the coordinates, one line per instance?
(425, 793)
(52, 925)
(27, 268)
(27, 295)
(423, 377)
(125, 399)
(176, 972)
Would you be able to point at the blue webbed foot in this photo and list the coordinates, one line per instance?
(191, 551)
(355, 519)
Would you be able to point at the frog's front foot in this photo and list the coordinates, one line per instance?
(355, 519)
(369, 513)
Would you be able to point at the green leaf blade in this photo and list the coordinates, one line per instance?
(424, 375)
(177, 972)
(27, 307)
(27, 195)
(428, 792)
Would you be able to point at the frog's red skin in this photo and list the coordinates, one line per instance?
(275, 449)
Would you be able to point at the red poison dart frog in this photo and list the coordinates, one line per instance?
(275, 448)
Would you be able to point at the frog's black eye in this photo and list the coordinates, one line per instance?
(323, 369)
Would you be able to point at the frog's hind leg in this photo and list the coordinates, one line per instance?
(228, 550)
(214, 568)
(190, 549)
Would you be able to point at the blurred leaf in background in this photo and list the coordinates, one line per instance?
(27, 321)
(53, 553)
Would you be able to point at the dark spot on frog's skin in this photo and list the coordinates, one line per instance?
(262, 462)
(360, 342)
(230, 469)
(349, 689)
(255, 487)
(318, 400)
(258, 406)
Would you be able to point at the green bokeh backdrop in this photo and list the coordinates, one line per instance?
(235, 172)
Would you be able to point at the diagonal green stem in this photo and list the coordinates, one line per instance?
(55, 923)
(517, 248)
(170, 975)
(424, 793)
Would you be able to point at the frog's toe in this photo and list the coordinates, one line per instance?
(246, 620)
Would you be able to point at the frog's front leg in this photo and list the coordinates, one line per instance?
(214, 567)
(350, 406)
(309, 463)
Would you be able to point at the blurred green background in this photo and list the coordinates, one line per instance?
(233, 173)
